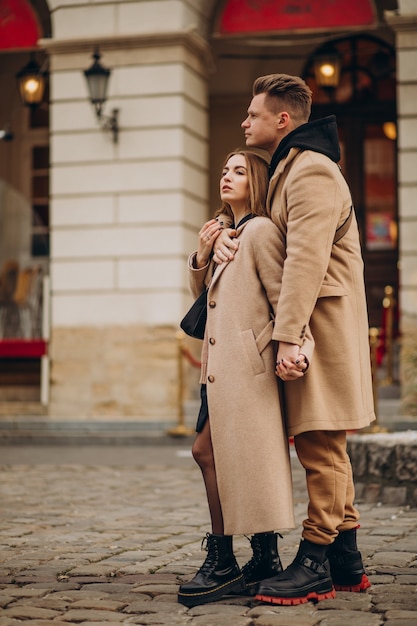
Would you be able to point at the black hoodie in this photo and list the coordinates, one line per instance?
(318, 136)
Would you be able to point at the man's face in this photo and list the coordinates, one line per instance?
(262, 125)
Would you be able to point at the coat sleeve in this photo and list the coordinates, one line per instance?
(313, 205)
(198, 279)
(307, 348)
(269, 262)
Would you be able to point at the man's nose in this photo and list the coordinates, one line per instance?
(245, 123)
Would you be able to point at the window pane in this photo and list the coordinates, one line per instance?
(40, 156)
(380, 189)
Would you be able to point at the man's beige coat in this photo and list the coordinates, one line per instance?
(238, 365)
(322, 285)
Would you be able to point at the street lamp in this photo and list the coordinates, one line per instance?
(97, 78)
(327, 68)
(31, 80)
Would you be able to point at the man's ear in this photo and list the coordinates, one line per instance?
(283, 120)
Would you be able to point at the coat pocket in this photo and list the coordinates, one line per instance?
(254, 346)
(331, 290)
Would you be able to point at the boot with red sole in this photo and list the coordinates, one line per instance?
(346, 566)
(306, 579)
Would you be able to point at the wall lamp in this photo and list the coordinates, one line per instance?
(327, 68)
(97, 78)
(31, 81)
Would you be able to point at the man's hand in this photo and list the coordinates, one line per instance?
(225, 246)
(291, 363)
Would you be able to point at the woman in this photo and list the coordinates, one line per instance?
(241, 444)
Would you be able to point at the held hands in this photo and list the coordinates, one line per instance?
(291, 364)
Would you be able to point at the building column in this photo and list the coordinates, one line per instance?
(125, 215)
(404, 24)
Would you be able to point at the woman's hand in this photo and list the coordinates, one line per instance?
(291, 363)
(206, 238)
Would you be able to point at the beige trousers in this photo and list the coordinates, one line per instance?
(331, 492)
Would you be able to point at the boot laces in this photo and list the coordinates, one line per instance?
(257, 555)
(210, 546)
(256, 558)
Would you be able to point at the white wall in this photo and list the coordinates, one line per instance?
(124, 216)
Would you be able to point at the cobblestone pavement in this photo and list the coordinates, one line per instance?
(105, 536)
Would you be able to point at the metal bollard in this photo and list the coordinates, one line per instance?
(373, 342)
(180, 430)
(388, 303)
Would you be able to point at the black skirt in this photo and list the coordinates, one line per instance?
(203, 413)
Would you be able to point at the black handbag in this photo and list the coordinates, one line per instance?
(194, 321)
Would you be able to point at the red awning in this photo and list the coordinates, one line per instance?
(23, 348)
(247, 16)
(19, 25)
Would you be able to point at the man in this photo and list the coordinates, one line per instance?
(321, 286)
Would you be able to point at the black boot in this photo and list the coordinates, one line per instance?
(218, 576)
(307, 578)
(264, 563)
(346, 565)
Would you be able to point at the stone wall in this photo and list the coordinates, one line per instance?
(384, 467)
(115, 372)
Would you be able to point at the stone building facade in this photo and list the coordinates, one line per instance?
(123, 216)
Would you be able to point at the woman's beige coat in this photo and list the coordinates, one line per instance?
(238, 366)
(322, 285)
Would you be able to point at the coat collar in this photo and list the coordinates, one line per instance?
(219, 269)
(285, 162)
(293, 153)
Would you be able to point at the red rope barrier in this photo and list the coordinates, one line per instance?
(190, 358)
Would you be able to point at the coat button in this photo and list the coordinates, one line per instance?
(212, 304)
(212, 341)
(210, 378)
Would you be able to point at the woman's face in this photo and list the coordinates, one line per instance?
(234, 184)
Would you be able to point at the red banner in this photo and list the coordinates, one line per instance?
(19, 25)
(255, 16)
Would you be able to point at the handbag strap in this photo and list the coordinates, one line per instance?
(342, 230)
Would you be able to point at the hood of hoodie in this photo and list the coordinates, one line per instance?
(319, 136)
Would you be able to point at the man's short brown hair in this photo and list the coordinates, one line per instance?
(284, 90)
